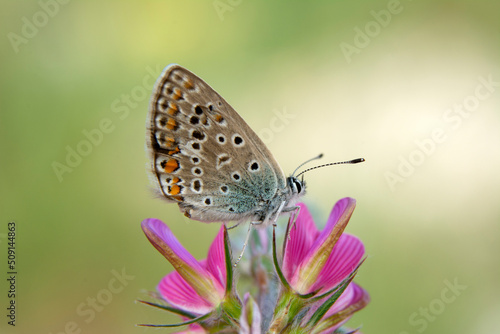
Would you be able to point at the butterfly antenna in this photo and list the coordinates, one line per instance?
(307, 161)
(355, 161)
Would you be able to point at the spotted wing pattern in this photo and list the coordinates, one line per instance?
(204, 156)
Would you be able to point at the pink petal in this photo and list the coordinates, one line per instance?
(359, 294)
(166, 243)
(344, 300)
(352, 295)
(178, 293)
(345, 257)
(342, 208)
(216, 259)
(308, 272)
(302, 236)
(195, 274)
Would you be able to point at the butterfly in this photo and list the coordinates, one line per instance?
(206, 158)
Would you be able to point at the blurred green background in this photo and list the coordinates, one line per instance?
(402, 84)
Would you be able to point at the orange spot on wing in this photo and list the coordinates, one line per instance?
(170, 166)
(172, 109)
(168, 142)
(219, 118)
(171, 124)
(175, 179)
(177, 94)
(188, 84)
(174, 190)
(174, 151)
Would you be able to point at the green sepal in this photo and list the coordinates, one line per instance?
(281, 276)
(229, 263)
(346, 331)
(189, 322)
(321, 311)
(170, 309)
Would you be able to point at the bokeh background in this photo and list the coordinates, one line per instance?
(402, 84)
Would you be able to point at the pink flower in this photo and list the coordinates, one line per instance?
(197, 287)
(352, 300)
(318, 261)
(317, 272)
(316, 295)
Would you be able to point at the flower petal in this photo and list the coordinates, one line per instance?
(352, 300)
(344, 258)
(195, 274)
(216, 259)
(339, 217)
(302, 236)
(343, 301)
(250, 316)
(167, 244)
(178, 293)
(313, 263)
(352, 295)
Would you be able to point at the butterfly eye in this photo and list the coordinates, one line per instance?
(299, 186)
(296, 185)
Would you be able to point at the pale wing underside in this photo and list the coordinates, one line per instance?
(204, 155)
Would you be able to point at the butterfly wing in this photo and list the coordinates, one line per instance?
(204, 156)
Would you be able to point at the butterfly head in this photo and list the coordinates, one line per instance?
(297, 187)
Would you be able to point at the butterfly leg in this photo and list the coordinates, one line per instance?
(231, 227)
(246, 240)
(278, 212)
(295, 213)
